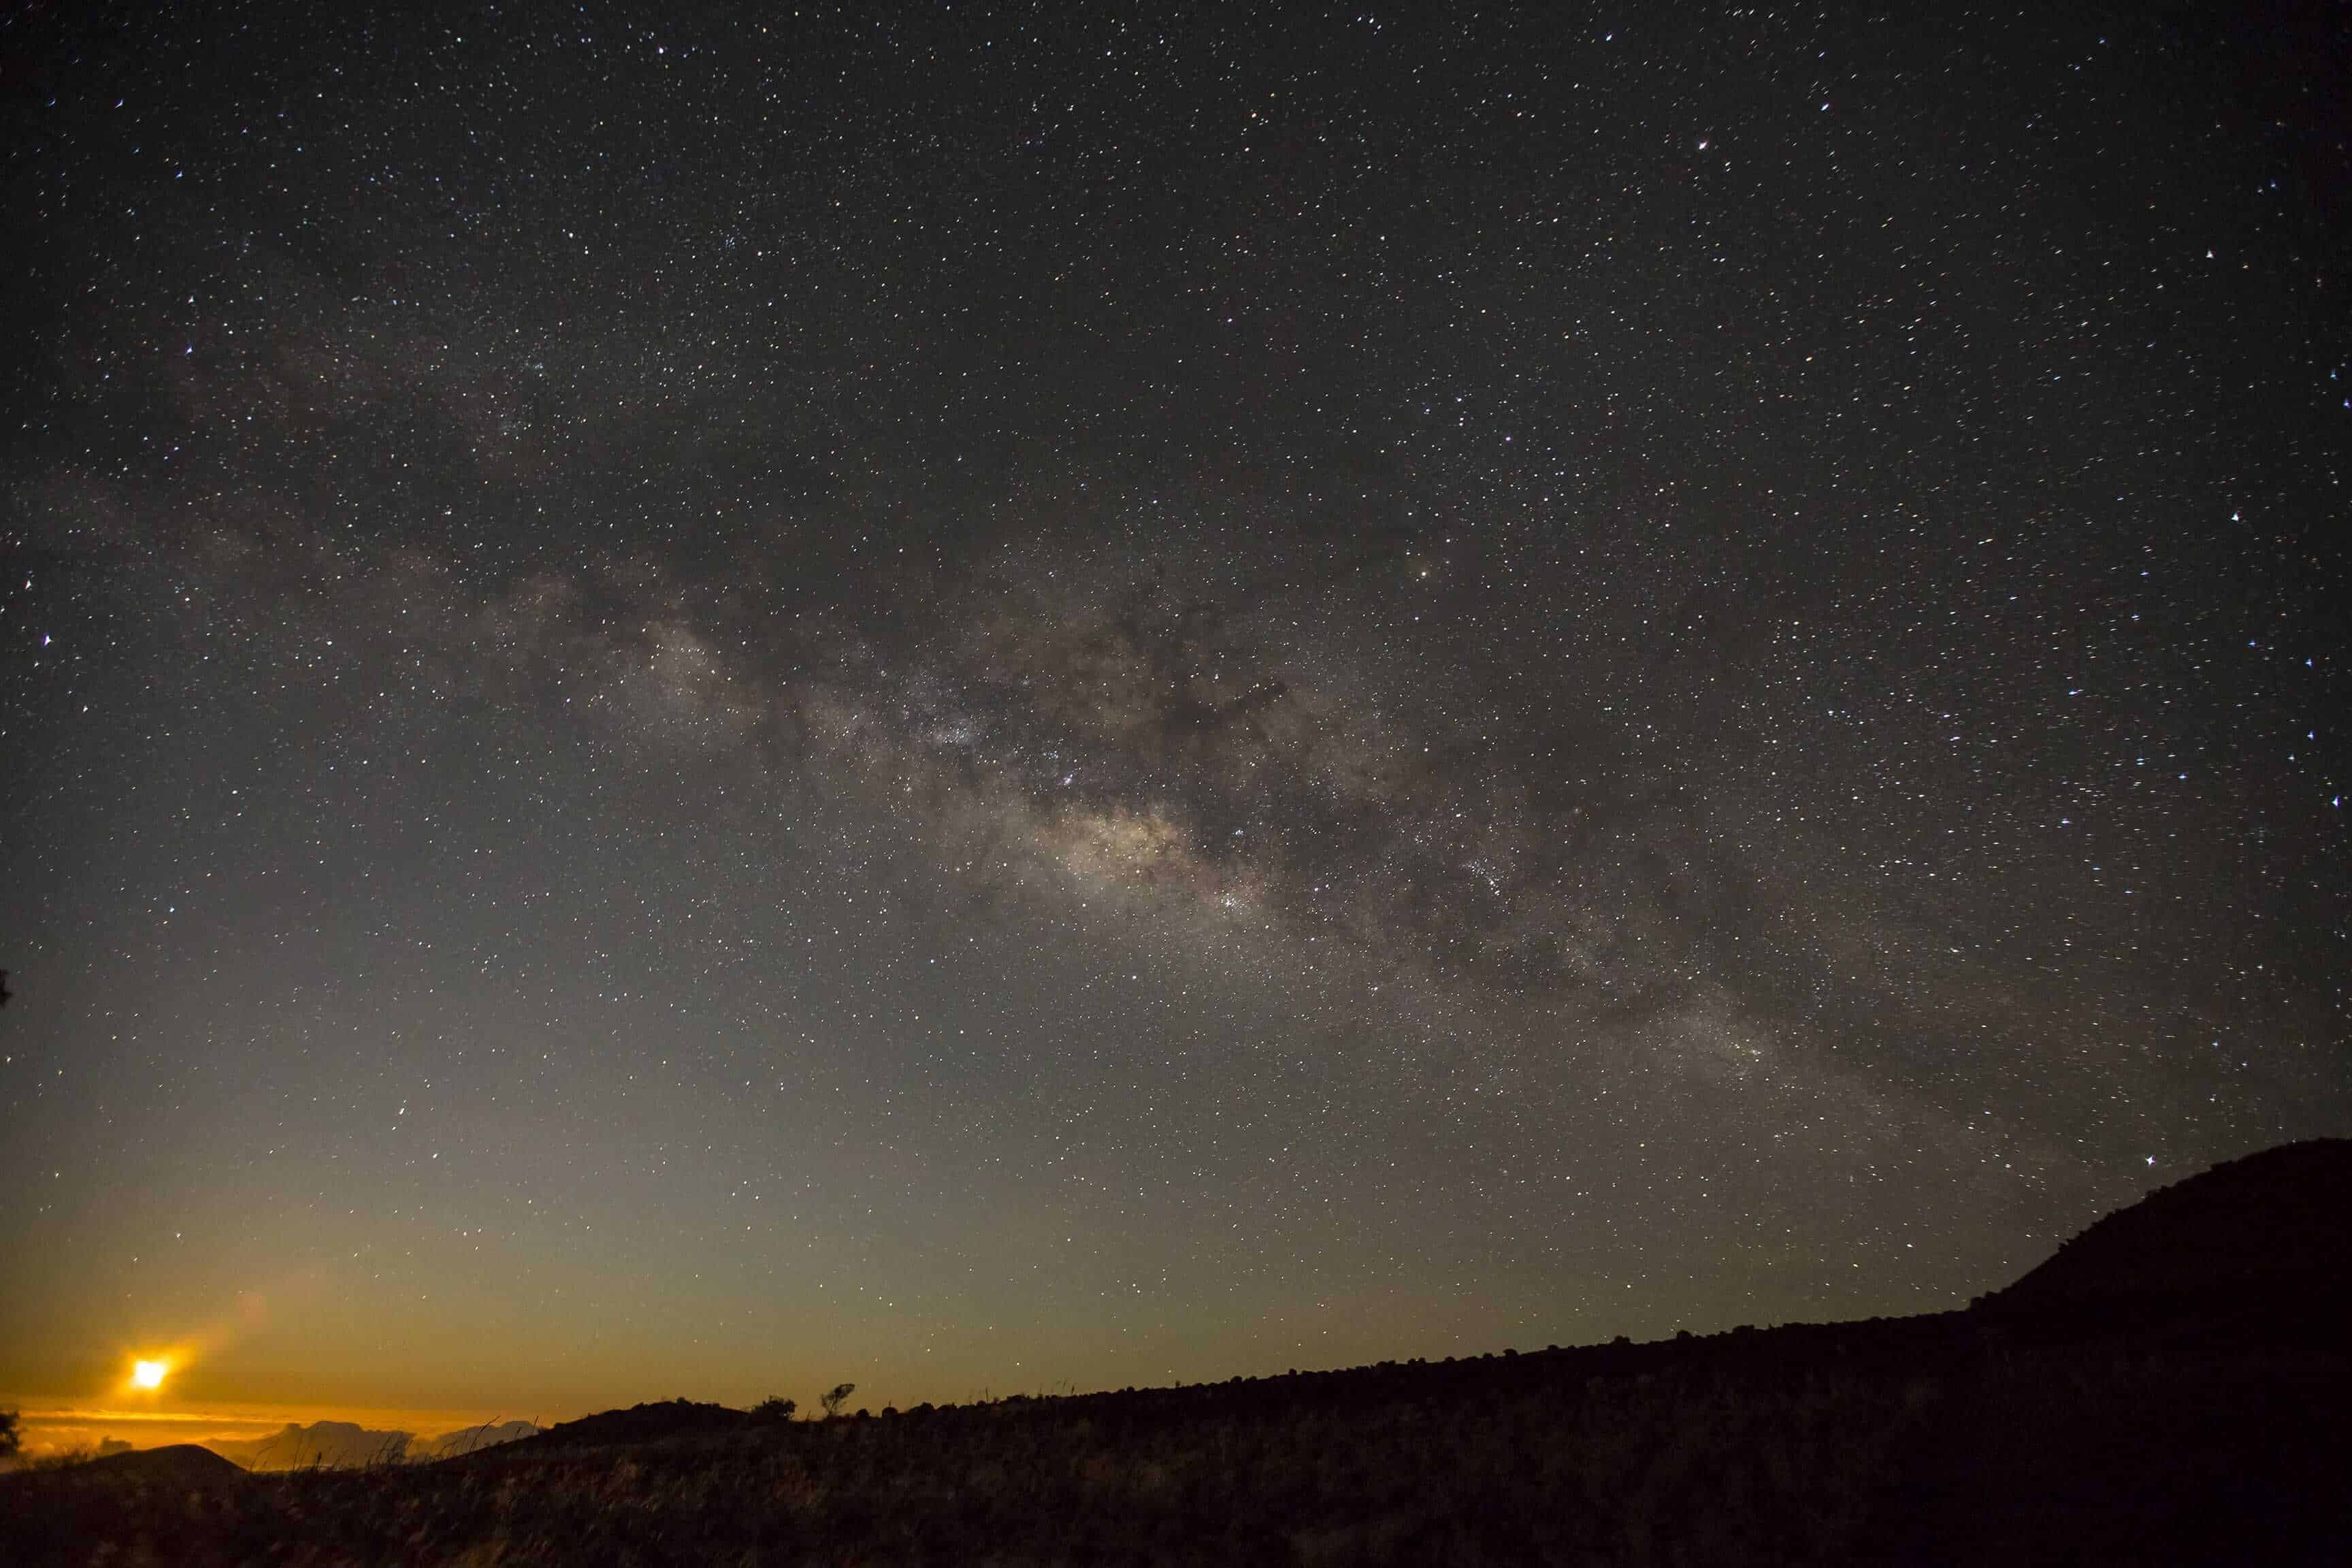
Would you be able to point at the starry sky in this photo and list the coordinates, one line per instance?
(700, 700)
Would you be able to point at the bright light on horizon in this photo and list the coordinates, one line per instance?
(148, 1373)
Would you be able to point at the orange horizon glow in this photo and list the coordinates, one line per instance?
(53, 1427)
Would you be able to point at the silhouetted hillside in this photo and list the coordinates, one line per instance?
(467, 1440)
(2209, 1428)
(643, 1423)
(2273, 1230)
(177, 1465)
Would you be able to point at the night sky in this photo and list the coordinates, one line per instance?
(990, 699)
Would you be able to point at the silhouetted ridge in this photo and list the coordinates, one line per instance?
(2273, 1228)
(177, 1465)
(641, 1423)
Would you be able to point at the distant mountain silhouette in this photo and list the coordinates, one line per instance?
(343, 1445)
(332, 1444)
(179, 1464)
(2273, 1230)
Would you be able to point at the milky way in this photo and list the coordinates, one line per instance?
(695, 705)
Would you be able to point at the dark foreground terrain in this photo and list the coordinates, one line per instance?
(2172, 1387)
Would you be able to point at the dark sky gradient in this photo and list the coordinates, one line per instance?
(1008, 699)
